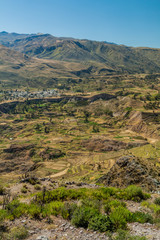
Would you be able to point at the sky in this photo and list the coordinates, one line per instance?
(128, 22)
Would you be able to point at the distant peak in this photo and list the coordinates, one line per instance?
(109, 42)
(3, 32)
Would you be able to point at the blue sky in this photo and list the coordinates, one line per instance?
(128, 22)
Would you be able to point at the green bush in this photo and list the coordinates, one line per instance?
(100, 223)
(157, 201)
(154, 207)
(135, 193)
(3, 214)
(142, 217)
(109, 191)
(3, 227)
(61, 194)
(119, 217)
(93, 203)
(15, 209)
(110, 205)
(99, 195)
(17, 233)
(82, 215)
(24, 190)
(67, 210)
(52, 208)
(34, 211)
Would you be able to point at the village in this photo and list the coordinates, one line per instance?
(17, 95)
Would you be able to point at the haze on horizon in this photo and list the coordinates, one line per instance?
(132, 23)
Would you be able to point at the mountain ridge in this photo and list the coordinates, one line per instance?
(121, 58)
(49, 57)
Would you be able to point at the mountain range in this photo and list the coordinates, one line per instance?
(40, 59)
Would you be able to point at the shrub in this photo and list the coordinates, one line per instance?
(17, 233)
(157, 201)
(37, 187)
(24, 190)
(33, 181)
(99, 195)
(95, 128)
(100, 223)
(16, 209)
(124, 235)
(131, 193)
(119, 217)
(67, 210)
(135, 193)
(93, 203)
(53, 208)
(2, 190)
(3, 214)
(145, 204)
(142, 217)
(82, 216)
(110, 205)
(109, 191)
(3, 227)
(155, 208)
(34, 211)
(61, 194)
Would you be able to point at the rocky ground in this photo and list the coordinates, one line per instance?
(61, 229)
(147, 229)
(56, 228)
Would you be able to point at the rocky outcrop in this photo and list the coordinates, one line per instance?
(130, 170)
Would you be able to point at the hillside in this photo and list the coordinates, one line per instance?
(19, 70)
(118, 57)
(68, 165)
(81, 160)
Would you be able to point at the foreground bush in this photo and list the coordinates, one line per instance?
(67, 210)
(135, 193)
(17, 233)
(61, 194)
(15, 209)
(100, 223)
(110, 205)
(154, 207)
(142, 217)
(82, 215)
(119, 217)
(157, 201)
(53, 208)
(34, 211)
(100, 209)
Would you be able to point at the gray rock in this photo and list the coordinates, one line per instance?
(23, 221)
(31, 232)
(42, 238)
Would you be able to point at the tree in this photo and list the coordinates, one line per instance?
(86, 116)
